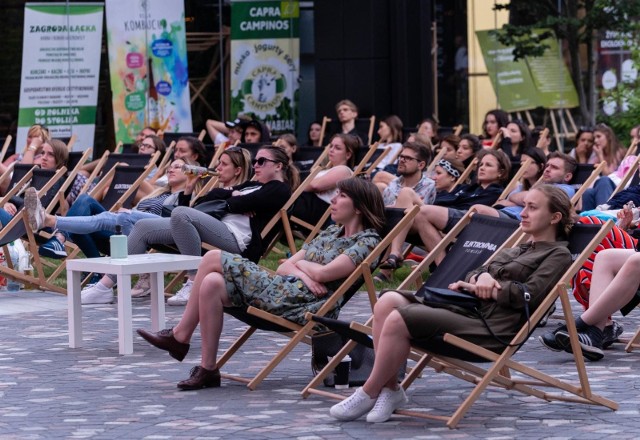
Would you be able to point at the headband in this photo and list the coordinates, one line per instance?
(449, 168)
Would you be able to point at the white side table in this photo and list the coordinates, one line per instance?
(156, 264)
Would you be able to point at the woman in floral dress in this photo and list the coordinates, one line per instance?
(301, 284)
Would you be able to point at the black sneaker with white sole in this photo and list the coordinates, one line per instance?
(548, 339)
(611, 333)
(590, 340)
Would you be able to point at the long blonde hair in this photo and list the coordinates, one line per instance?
(167, 188)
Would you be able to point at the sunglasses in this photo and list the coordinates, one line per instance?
(261, 161)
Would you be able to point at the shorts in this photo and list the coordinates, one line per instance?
(454, 216)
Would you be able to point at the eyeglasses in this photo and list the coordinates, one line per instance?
(145, 146)
(407, 158)
(261, 161)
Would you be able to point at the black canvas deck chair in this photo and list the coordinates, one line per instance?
(261, 320)
(475, 239)
(123, 182)
(461, 359)
(48, 183)
(364, 126)
(305, 158)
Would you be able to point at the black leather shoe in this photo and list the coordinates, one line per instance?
(199, 378)
(165, 340)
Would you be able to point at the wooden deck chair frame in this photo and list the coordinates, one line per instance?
(631, 150)
(436, 159)
(39, 279)
(72, 141)
(467, 172)
(499, 373)
(627, 177)
(412, 282)
(106, 180)
(5, 147)
(18, 187)
(301, 333)
(514, 181)
(577, 197)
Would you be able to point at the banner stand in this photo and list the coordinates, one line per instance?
(562, 131)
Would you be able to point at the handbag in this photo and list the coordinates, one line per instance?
(449, 299)
(215, 208)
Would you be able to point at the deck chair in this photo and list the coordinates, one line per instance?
(475, 239)
(515, 179)
(628, 178)
(504, 372)
(258, 319)
(47, 183)
(169, 137)
(20, 175)
(123, 183)
(435, 160)
(305, 158)
(367, 159)
(363, 126)
(464, 177)
(583, 178)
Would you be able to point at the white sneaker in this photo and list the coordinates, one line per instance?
(142, 287)
(354, 406)
(97, 294)
(388, 401)
(35, 211)
(182, 296)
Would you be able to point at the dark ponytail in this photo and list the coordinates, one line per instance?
(289, 170)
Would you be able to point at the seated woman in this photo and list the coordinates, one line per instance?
(314, 201)
(188, 149)
(446, 174)
(583, 151)
(401, 319)
(301, 284)
(516, 138)
(449, 144)
(494, 120)
(313, 135)
(250, 204)
(467, 148)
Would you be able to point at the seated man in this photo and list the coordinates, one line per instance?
(412, 186)
(558, 171)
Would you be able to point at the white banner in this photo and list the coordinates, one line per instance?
(148, 66)
(60, 70)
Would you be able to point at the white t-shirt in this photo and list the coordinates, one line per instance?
(329, 194)
(239, 224)
(389, 158)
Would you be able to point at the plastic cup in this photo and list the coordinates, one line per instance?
(342, 374)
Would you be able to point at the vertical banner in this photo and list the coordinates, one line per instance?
(615, 65)
(148, 66)
(265, 62)
(60, 70)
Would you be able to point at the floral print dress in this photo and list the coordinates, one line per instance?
(248, 284)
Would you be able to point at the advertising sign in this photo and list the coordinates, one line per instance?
(148, 66)
(60, 70)
(265, 62)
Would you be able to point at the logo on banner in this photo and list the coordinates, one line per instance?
(264, 88)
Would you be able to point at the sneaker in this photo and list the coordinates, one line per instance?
(353, 407)
(182, 296)
(35, 211)
(97, 294)
(142, 287)
(590, 339)
(611, 333)
(549, 339)
(53, 248)
(388, 401)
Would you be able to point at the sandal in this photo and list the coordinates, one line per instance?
(382, 278)
(392, 262)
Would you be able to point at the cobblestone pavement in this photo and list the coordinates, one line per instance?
(48, 390)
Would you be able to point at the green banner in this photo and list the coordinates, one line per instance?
(527, 83)
(68, 115)
(265, 62)
(264, 19)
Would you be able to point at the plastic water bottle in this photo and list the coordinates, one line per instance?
(12, 285)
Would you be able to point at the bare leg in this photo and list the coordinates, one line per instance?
(391, 340)
(430, 221)
(616, 275)
(209, 266)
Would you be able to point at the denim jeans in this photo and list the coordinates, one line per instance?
(599, 194)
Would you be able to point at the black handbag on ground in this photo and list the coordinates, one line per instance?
(328, 343)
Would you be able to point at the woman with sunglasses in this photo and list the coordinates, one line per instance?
(250, 206)
(301, 284)
(317, 195)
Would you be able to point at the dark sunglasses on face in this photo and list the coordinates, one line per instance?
(261, 161)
